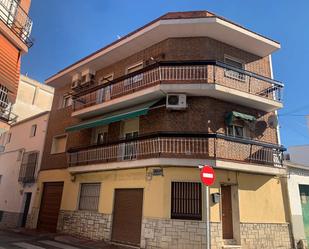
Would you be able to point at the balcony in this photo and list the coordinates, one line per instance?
(208, 78)
(17, 20)
(217, 149)
(6, 114)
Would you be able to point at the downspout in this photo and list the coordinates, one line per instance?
(276, 112)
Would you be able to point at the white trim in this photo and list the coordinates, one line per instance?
(176, 162)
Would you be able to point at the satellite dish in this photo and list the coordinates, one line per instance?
(260, 127)
(273, 121)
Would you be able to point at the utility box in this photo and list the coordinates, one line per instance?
(215, 197)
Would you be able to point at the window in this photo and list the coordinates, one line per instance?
(59, 144)
(99, 135)
(67, 101)
(136, 78)
(236, 63)
(186, 200)
(28, 166)
(101, 138)
(0, 178)
(8, 140)
(4, 101)
(33, 130)
(89, 196)
(135, 67)
(236, 131)
(106, 78)
(104, 93)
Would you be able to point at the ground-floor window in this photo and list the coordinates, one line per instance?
(89, 196)
(186, 200)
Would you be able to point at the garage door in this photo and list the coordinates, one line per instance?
(127, 220)
(50, 206)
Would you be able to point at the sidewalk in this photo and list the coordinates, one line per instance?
(67, 239)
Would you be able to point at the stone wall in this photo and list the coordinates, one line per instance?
(10, 219)
(87, 224)
(32, 218)
(257, 236)
(178, 234)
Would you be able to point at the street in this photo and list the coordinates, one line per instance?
(18, 240)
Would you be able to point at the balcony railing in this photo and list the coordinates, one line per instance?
(13, 15)
(172, 145)
(203, 72)
(6, 113)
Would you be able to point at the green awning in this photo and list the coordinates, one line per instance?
(231, 116)
(113, 117)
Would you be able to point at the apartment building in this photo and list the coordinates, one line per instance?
(15, 29)
(131, 122)
(19, 166)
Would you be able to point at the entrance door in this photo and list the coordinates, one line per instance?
(227, 218)
(26, 209)
(304, 198)
(127, 220)
(50, 206)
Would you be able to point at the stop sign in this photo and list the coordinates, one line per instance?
(207, 175)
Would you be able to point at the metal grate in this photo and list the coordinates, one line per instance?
(186, 201)
(28, 166)
(89, 196)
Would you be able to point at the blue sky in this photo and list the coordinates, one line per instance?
(65, 31)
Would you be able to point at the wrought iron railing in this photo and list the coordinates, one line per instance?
(204, 72)
(13, 15)
(173, 145)
(28, 167)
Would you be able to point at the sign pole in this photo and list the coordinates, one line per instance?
(208, 177)
(207, 218)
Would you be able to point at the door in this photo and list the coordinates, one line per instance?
(26, 209)
(50, 206)
(127, 220)
(304, 198)
(227, 218)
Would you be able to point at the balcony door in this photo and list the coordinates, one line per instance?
(130, 130)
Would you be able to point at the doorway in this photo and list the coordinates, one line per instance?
(227, 212)
(26, 208)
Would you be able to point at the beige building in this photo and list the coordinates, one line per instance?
(32, 98)
(19, 165)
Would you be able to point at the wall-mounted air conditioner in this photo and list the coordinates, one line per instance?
(176, 101)
(87, 77)
(75, 81)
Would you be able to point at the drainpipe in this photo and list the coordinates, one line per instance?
(276, 112)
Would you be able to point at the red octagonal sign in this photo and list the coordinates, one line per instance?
(207, 175)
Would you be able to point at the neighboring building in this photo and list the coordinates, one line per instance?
(19, 166)
(120, 163)
(33, 97)
(297, 183)
(299, 154)
(15, 29)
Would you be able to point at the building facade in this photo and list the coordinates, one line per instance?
(298, 192)
(131, 122)
(15, 29)
(19, 166)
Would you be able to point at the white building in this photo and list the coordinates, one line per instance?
(299, 154)
(32, 98)
(19, 165)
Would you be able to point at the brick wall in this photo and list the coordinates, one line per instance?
(204, 114)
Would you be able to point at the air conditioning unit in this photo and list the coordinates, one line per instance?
(176, 101)
(87, 77)
(75, 81)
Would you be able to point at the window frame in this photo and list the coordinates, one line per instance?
(33, 130)
(9, 138)
(52, 150)
(244, 130)
(235, 74)
(197, 201)
(67, 100)
(80, 195)
(140, 63)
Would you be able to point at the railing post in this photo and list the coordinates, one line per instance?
(250, 153)
(249, 85)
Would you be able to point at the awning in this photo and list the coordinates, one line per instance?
(231, 116)
(113, 117)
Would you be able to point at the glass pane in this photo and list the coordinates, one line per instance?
(239, 131)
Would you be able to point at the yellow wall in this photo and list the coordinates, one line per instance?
(260, 197)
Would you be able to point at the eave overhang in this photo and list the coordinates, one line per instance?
(214, 27)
